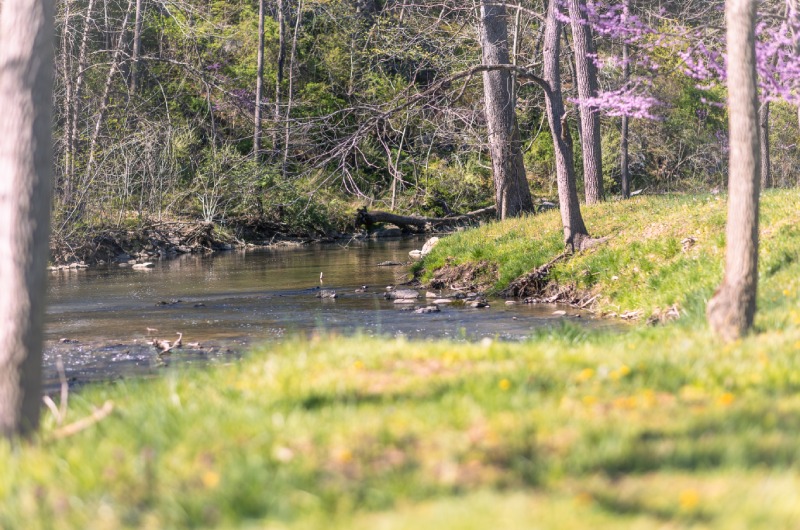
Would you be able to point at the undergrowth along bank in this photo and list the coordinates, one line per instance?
(663, 253)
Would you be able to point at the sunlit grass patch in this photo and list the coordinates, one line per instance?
(663, 251)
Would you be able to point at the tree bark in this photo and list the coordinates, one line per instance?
(115, 62)
(732, 308)
(586, 79)
(575, 233)
(66, 67)
(512, 193)
(290, 91)
(625, 178)
(259, 81)
(137, 45)
(281, 15)
(72, 140)
(26, 89)
(763, 129)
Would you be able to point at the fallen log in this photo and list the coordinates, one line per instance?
(420, 224)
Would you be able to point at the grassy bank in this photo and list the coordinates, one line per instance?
(663, 251)
(658, 427)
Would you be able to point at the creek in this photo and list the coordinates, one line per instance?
(100, 321)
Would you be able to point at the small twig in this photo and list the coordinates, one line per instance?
(84, 423)
(53, 408)
(62, 376)
(59, 412)
(589, 301)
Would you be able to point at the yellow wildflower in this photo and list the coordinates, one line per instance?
(585, 375)
(689, 499)
(504, 384)
(210, 479)
(726, 399)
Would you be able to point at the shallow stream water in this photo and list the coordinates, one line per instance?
(100, 321)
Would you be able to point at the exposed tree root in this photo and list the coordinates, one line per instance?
(536, 286)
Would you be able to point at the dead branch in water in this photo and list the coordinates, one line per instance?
(420, 224)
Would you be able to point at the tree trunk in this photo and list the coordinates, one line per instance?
(732, 308)
(259, 81)
(625, 178)
(586, 71)
(66, 67)
(72, 141)
(763, 129)
(290, 92)
(26, 89)
(104, 100)
(137, 45)
(281, 15)
(575, 233)
(512, 193)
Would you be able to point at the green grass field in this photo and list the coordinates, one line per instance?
(656, 427)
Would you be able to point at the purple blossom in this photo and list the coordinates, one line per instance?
(625, 101)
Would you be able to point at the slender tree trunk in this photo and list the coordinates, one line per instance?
(137, 46)
(115, 61)
(290, 93)
(72, 141)
(514, 55)
(763, 129)
(76, 101)
(732, 308)
(26, 89)
(793, 16)
(512, 192)
(575, 233)
(583, 45)
(281, 15)
(66, 67)
(259, 81)
(625, 178)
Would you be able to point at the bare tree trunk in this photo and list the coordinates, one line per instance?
(137, 45)
(763, 129)
(279, 77)
(732, 308)
(26, 89)
(72, 142)
(66, 67)
(290, 94)
(69, 190)
(259, 81)
(512, 193)
(586, 71)
(514, 54)
(575, 233)
(625, 177)
(791, 8)
(115, 61)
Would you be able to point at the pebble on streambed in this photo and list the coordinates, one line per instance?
(402, 294)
